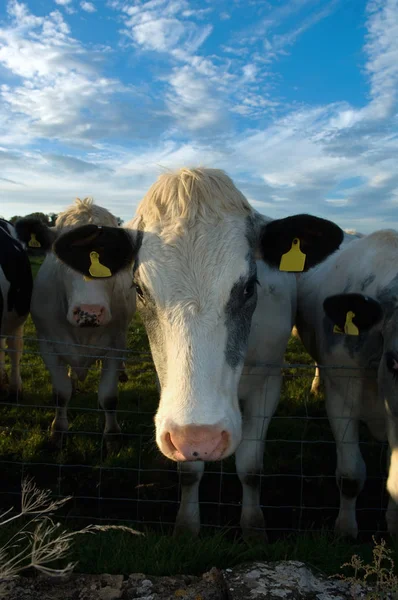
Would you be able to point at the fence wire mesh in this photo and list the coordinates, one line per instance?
(133, 482)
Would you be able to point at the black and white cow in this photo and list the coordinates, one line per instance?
(348, 317)
(15, 295)
(79, 320)
(206, 271)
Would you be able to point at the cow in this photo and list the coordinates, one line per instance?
(209, 291)
(79, 320)
(16, 284)
(347, 318)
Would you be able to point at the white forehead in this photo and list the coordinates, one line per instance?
(198, 267)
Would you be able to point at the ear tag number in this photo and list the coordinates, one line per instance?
(33, 242)
(96, 269)
(294, 260)
(349, 327)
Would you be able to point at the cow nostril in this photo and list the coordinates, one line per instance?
(196, 453)
(169, 441)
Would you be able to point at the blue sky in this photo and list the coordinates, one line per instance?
(295, 99)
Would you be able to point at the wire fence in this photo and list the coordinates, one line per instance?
(131, 481)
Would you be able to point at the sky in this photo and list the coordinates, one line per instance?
(295, 99)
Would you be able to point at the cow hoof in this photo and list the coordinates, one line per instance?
(57, 437)
(184, 530)
(113, 442)
(123, 377)
(14, 395)
(345, 530)
(254, 536)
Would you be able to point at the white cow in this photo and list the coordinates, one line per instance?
(79, 320)
(365, 387)
(204, 260)
(15, 294)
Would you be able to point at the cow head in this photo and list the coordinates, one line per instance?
(195, 247)
(88, 299)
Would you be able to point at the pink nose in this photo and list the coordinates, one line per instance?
(197, 442)
(89, 315)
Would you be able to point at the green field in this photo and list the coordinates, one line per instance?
(138, 486)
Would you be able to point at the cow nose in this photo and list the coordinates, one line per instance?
(197, 442)
(89, 315)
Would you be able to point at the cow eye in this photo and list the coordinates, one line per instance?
(139, 291)
(250, 288)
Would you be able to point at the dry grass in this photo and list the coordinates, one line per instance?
(40, 541)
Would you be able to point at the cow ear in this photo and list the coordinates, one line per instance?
(299, 242)
(35, 234)
(352, 313)
(96, 251)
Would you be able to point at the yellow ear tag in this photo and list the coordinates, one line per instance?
(96, 269)
(349, 327)
(33, 242)
(87, 278)
(294, 260)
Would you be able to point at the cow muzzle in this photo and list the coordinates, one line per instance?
(195, 442)
(89, 315)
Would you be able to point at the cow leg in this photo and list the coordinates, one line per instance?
(316, 382)
(343, 397)
(107, 397)
(62, 391)
(3, 372)
(392, 508)
(258, 409)
(15, 347)
(188, 516)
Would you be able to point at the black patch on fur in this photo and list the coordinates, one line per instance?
(253, 480)
(58, 399)
(350, 488)
(15, 265)
(238, 316)
(367, 281)
(391, 362)
(187, 479)
(114, 246)
(138, 242)
(44, 235)
(318, 239)
(110, 404)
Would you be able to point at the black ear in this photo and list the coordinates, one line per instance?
(96, 251)
(317, 239)
(35, 234)
(367, 311)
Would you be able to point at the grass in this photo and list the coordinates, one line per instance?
(139, 487)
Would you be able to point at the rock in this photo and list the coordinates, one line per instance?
(289, 580)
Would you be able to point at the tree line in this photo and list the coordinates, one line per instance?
(48, 219)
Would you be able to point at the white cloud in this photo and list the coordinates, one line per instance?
(336, 160)
(60, 92)
(63, 2)
(88, 7)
